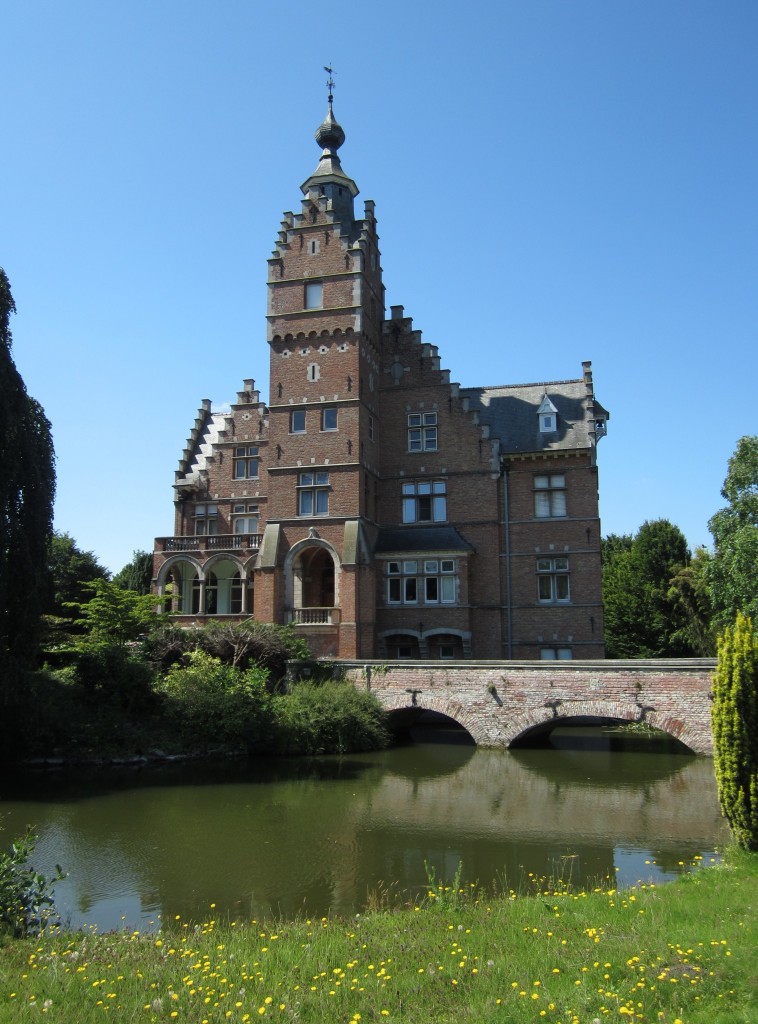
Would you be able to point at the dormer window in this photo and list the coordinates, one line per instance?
(548, 416)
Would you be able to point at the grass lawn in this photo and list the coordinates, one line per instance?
(682, 953)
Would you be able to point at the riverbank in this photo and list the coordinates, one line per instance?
(683, 952)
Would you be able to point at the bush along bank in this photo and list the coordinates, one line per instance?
(179, 692)
(683, 953)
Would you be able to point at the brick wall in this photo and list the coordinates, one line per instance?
(499, 701)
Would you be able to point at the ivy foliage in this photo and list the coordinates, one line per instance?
(735, 730)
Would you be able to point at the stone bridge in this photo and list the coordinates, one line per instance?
(498, 702)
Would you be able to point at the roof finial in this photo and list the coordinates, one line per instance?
(329, 84)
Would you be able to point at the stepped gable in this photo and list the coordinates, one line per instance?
(210, 427)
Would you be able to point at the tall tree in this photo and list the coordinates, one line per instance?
(27, 491)
(731, 573)
(137, 574)
(640, 618)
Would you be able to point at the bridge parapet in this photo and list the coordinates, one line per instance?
(498, 701)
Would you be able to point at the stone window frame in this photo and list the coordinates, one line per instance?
(246, 462)
(550, 496)
(553, 579)
(313, 493)
(424, 501)
(205, 518)
(423, 433)
(557, 652)
(329, 419)
(412, 581)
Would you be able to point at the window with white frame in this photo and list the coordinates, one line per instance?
(246, 462)
(245, 518)
(553, 580)
(550, 496)
(313, 494)
(314, 294)
(425, 501)
(422, 431)
(329, 419)
(297, 421)
(206, 520)
(555, 654)
(426, 581)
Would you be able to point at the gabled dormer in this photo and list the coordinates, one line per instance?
(548, 416)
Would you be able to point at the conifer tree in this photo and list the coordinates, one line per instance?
(735, 730)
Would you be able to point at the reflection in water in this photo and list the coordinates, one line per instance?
(316, 836)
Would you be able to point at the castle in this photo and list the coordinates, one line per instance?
(383, 510)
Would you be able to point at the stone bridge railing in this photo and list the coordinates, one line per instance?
(499, 701)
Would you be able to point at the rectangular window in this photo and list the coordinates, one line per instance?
(422, 432)
(553, 580)
(328, 419)
(371, 428)
(246, 462)
(314, 292)
(425, 501)
(550, 496)
(297, 421)
(414, 582)
(206, 520)
(245, 519)
(313, 494)
(555, 654)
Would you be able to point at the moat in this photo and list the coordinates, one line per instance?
(317, 836)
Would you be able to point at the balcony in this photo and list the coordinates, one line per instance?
(210, 542)
(314, 616)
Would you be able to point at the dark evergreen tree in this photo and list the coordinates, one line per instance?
(138, 574)
(641, 619)
(27, 492)
(71, 572)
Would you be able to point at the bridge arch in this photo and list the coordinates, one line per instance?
(619, 711)
(467, 719)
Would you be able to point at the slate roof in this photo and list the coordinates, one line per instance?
(403, 540)
(511, 412)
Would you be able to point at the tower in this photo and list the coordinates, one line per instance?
(324, 313)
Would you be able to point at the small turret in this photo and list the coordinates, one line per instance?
(329, 179)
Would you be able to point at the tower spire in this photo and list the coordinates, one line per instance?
(330, 136)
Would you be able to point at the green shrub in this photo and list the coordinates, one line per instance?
(328, 718)
(735, 730)
(26, 897)
(218, 705)
(240, 644)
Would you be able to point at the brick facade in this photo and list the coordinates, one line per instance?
(381, 508)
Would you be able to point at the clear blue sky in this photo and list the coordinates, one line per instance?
(555, 180)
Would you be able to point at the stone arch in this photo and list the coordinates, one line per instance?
(183, 573)
(622, 712)
(471, 722)
(413, 636)
(311, 552)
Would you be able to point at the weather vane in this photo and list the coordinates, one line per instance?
(329, 81)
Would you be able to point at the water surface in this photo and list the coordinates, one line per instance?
(317, 836)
